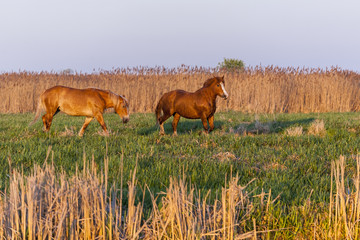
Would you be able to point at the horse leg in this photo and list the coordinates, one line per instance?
(57, 110)
(99, 117)
(175, 123)
(48, 117)
(211, 123)
(205, 124)
(86, 123)
(161, 122)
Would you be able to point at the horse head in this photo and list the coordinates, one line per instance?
(217, 84)
(122, 108)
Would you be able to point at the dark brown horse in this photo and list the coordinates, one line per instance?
(90, 102)
(200, 104)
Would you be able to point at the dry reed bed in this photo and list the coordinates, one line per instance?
(50, 205)
(256, 89)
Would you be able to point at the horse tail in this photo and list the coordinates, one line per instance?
(158, 111)
(39, 109)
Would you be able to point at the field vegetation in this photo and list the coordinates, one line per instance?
(252, 90)
(255, 176)
(282, 162)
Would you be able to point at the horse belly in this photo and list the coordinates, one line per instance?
(78, 107)
(187, 111)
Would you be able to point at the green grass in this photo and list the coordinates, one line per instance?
(292, 167)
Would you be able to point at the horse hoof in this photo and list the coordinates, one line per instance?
(175, 134)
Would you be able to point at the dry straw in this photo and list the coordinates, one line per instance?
(317, 127)
(48, 204)
(256, 89)
(294, 131)
(344, 208)
(51, 205)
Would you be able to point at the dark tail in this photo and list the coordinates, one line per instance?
(39, 109)
(158, 111)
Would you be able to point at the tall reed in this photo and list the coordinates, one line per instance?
(344, 209)
(256, 89)
(49, 204)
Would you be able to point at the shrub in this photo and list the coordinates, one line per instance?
(231, 64)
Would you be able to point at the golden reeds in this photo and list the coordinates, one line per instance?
(294, 131)
(344, 208)
(49, 204)
(317, 127)
(256, 89)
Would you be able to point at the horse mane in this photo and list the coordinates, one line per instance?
(115, 97)
(126, 102)
(210, 81)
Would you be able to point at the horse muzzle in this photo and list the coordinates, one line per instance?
(225, 96)
(126, 119)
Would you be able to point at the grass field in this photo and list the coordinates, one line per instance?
(296, 167)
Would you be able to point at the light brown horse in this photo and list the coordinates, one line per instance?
(200, 104)
(90, 102)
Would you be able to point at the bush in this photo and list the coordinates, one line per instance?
(231, 64)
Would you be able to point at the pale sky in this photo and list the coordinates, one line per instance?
(51, 35)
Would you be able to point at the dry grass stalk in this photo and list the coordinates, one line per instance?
(186, 216)
(317, 127)
(69, 132)
(50, 205)
(255, 90)
(224, 156)
(344, 208)
(294, 131)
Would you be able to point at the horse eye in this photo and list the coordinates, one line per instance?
(218, 85)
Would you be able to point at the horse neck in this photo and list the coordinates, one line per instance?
(206, 91)
(111, 100)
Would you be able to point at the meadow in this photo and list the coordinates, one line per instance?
(282, 162)
(284, 169)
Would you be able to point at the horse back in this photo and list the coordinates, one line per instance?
(170, 98)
